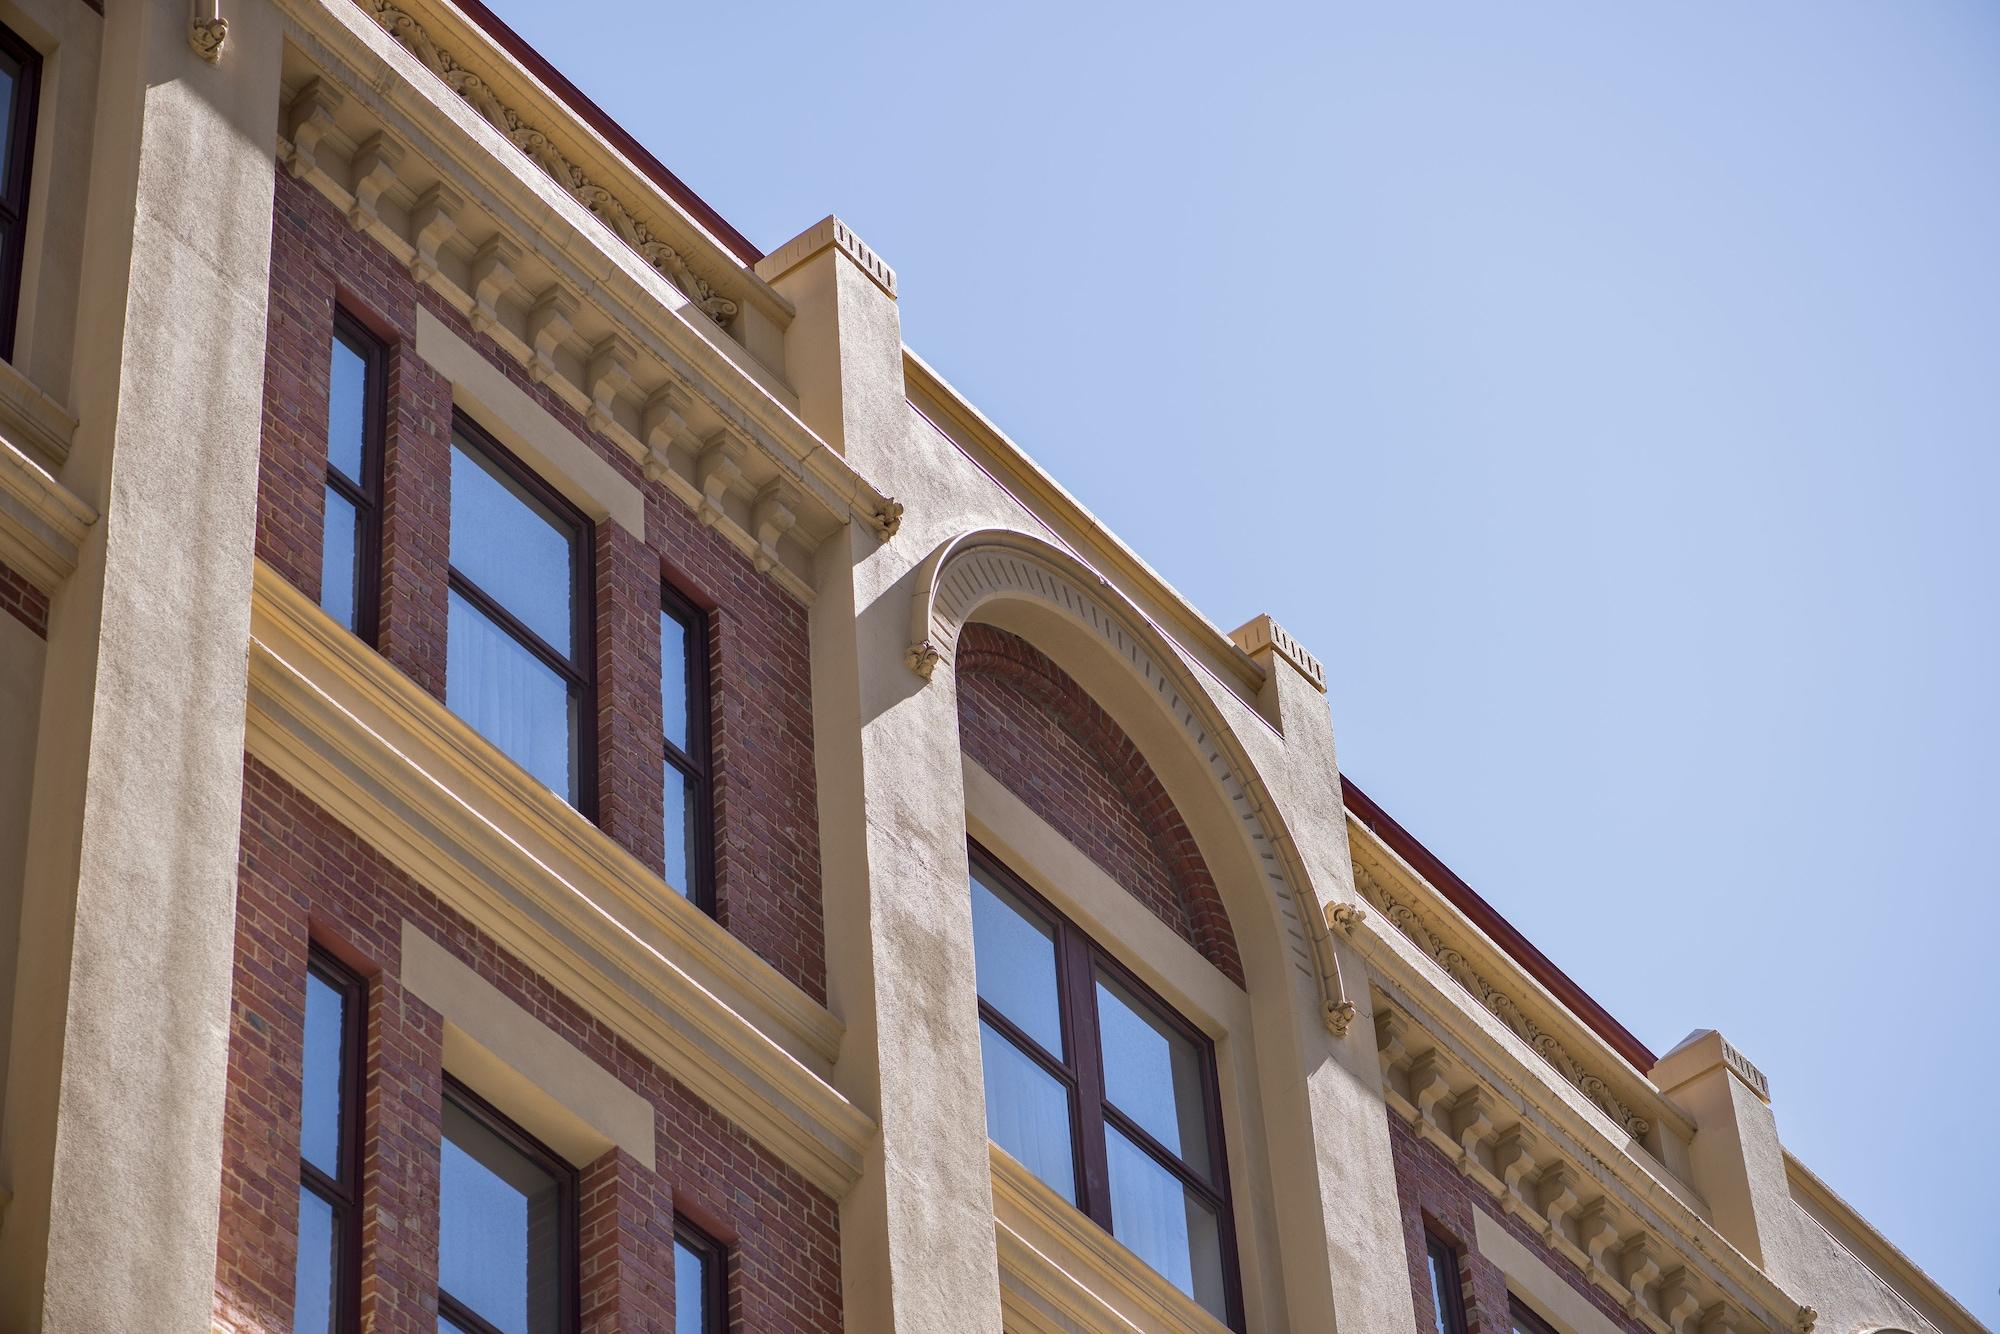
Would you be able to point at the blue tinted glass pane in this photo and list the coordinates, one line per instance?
(1438, 1298)
(497, 1224)
(319, 1117)
(347, 410)
(510, 695)
(683, 808)
(1152, 1074)
(674, 680)
(517, 552)
(1164, 1224)
(312, 1290)
(340, 565)
(1014, 963)
(690, 1291)
(1027, 1112)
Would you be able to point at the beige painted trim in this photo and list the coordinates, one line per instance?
(521, 1065)
(385, 758)
(1047, 499)
(507, 412)
(33, 421)
(42, 523)
(1053, 1252)
(1531, 1279)
(1856, 1235)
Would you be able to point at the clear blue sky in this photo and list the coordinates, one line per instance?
(1610, 394)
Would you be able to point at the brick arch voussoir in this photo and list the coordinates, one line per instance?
(987, 650)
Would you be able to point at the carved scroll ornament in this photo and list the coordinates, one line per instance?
(633, 230)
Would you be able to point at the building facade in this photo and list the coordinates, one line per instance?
(554, 775)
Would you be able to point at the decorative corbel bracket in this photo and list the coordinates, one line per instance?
(718, 468)
(771, 517)
(307, 122)
(493, 270)
(608, 375)
(1680, 1300)
(888, 519)
(923, 658)
(550, 320)
(207, 30)
(662, 425)
(375, 164)
(1344, 917)
(432, 223)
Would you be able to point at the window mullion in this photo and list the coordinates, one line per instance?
(1079, 1004)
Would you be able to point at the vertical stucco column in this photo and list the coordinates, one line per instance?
(1738, 1162)
(1340, 1213)
(917, 1236)
(111, 1141)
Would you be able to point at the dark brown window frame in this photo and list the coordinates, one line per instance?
(578, 671)
(14, 186)
(1079, 958)
(1524, 1319)
(364, 493)
(714, 1271)
(1438, 1251)
(344, 1192)
(697, 761)
(569, 1295)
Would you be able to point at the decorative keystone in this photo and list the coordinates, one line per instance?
(432, 222)
(923, 658)
(1344, 917)
(1338, 1016)
(888, 519)
(375, 164)
(308, 121)
(493, 270)
(550, 320)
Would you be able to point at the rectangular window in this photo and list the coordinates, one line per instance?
(690, 821)
(701, 1282)
(327, 1296)
(351, 554)
(506, 1225)
(20, 92)
(517, 641)
(1102, 1091)
(1526, 1321)
(1447, 1293)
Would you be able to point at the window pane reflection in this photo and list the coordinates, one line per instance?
(514, 699)
(674, 680)
(1152, 1074)
(347, 410)
(1164, 1224)
(319, 1120)
(691, 1313)
(518, 553)
(1027, 1112)
(683, 804)
(340, 565)
(498, 1245)
(312, 1299)
(1014, 964)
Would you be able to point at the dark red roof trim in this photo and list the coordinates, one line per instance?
(598, 119)
(1497, 928)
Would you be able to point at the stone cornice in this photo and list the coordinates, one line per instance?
(469, 62)
(1021, 477)
(334, 719)
(1061, 1271)
(1421, 913)
(1554, 1162)
(1884, 1256)
(524, 259)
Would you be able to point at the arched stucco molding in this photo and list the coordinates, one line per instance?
(981, 566)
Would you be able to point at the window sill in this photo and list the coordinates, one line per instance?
(336, 720)
(1059, 1270)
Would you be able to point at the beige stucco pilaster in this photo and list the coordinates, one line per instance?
(917, 1233)
(111, 1142)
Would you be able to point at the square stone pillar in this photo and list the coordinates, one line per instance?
(111, 1139)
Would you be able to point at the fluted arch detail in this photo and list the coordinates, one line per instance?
(992, 564)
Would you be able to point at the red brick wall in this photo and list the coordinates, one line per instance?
(1029, 724)
(1437, 1196)
(304, 875)
(767, 867)
(23, 601)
